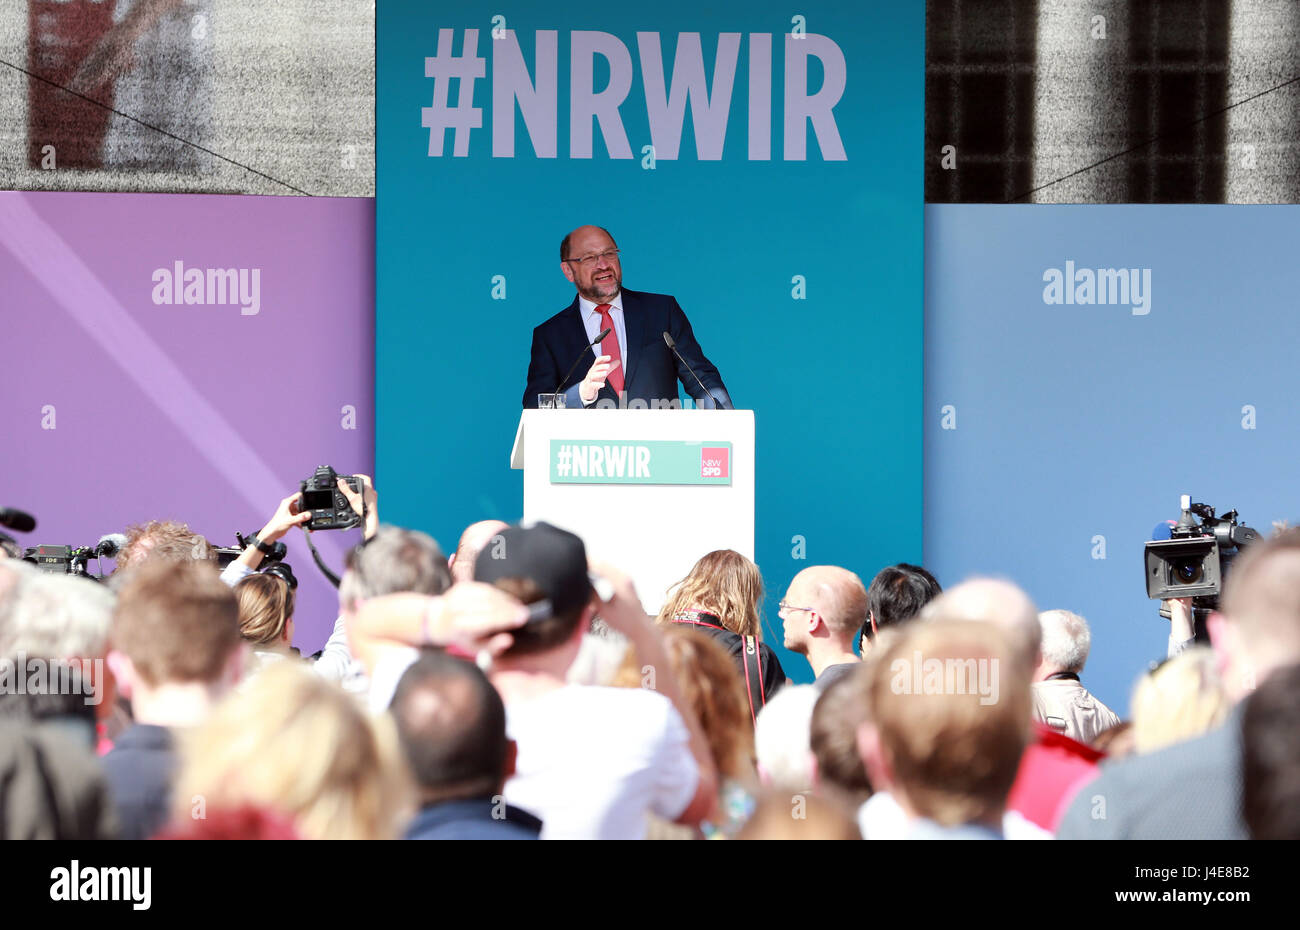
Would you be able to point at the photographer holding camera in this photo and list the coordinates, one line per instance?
(289, 514)
(335, 660)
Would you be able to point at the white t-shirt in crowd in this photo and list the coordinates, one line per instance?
(883, 818)
(593, 762)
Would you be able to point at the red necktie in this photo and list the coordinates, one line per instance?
(610, 347)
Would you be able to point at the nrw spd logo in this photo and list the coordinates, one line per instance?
(731, 107)
(715, 463)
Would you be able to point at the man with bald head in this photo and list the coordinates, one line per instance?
(474, 540)
(632, 366)
(995, 601)
(823, 609)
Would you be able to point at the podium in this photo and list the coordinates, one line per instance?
(649, 491)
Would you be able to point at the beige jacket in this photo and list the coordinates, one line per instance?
(1066, 706)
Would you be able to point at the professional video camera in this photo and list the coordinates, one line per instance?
(272, 562)
(1195, 558)
(330, 510)
(73, 560)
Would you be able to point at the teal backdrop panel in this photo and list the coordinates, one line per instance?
(759, 161)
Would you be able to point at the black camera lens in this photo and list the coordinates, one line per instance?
(1188, 571)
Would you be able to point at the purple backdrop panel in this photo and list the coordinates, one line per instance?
(187, 357)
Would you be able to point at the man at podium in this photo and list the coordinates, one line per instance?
(634, 365)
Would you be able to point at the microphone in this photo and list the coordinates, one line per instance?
(598, 339)
(717, 401)
(17, 520)
(1163, 530)
(109, 546)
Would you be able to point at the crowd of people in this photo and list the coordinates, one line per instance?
(517, 689)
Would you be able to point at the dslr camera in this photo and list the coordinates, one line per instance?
(1193, 561)
(330, 510)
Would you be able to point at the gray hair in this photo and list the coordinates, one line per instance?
(394, 561)
(55, 616)
(1066, 640)
(783, 738)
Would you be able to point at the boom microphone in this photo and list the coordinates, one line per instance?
(707, 393)
(109, 546)
(598, 339)
(17, 520)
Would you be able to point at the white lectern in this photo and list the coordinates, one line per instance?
(649, 491)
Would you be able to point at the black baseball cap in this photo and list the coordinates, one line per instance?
(553, 559)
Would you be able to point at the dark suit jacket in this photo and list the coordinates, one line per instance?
(472, 819)
(139, 772)
(1188, 791)
(651, 371)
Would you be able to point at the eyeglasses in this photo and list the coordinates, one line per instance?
(587, 261)
(784, 606)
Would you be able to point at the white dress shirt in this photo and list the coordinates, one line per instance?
(591, 320)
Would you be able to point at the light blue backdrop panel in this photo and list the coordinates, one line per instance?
(802, 278)
(1079, 425)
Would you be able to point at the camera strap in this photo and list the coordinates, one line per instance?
(320, 563)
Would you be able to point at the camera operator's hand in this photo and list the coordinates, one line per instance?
(366, 503)
(1181, 625)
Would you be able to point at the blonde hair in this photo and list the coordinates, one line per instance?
(1179, 700)
(707, 677)
(266, 605)
(297, 744)
(723, 583)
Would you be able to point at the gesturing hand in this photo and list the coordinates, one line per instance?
(595, 379)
